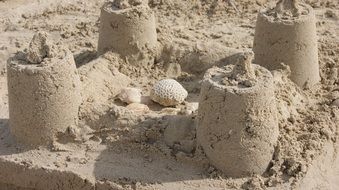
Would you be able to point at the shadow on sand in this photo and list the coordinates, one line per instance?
(129, 163)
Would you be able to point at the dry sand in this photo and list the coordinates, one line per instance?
(117, 146)
(239, 142)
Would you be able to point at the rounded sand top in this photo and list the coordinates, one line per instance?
(41, 53)
(239, 77)
(287, 11)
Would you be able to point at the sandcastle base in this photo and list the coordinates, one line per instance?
(102, 169)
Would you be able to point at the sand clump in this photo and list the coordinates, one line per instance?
(39, 48)
(289, 8)
(336, 103)
(123, 4)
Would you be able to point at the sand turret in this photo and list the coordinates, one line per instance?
(287, 34)
(128, 28)
(238, 126)
(43, 92)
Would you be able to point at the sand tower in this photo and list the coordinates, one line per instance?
(287, 34)
(43, 92)
(128, 28)
(238, 125)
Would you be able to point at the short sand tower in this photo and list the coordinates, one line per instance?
(287, 34)
(128, 27)
(238, 125)
(43, 91)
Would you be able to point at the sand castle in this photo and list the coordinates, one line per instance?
(43, 91)
(238, 126)
(287, 34)
(242, 125)
(128, 28)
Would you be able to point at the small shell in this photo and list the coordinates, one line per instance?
(168, 92)
(130, 95)
(138, 108)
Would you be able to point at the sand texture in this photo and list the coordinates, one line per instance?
(289, 40)
(131, 32)
(238, 126)
(115, 144)
(44, 96)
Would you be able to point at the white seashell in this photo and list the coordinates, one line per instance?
(168, 92)
(138, 108)
(130, 95)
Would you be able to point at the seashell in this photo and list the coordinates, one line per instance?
(168, 92)
(130, 95)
